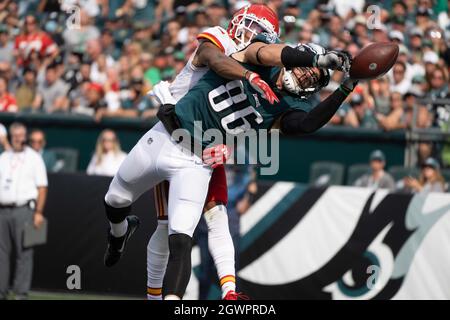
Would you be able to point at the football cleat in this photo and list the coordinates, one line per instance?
(116, 246)
(233, 295)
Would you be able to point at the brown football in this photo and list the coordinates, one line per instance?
(374, 60)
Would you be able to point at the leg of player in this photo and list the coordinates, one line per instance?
(158, 246)
(220, 242)
(137, 174)
(187, 194)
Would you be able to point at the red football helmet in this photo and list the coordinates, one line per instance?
(254, 19)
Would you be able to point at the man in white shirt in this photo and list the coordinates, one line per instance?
(23, 190)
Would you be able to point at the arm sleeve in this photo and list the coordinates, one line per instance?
(298, 122)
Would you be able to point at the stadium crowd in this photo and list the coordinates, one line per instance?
(99, 58)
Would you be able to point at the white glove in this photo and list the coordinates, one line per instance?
(161, 91)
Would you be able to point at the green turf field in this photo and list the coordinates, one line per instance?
(41, 295)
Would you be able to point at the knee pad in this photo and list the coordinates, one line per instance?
(116, 215)
(116, 201)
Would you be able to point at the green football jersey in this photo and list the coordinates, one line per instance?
(233, 106)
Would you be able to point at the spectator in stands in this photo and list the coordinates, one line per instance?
(95, 53)
(77, 38)
(7, 100)
(52, 92)
(37, 143)
(395, 119)
(438, 83)
(6, 45)
(380, 91)
(108, 155)
(27, 90)
(95, 100)
(33, 42)
(430, 179)
(4, 143)
(360, 115)
(399, 82)
(377, 178)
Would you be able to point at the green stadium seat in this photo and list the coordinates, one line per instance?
(399, 172)
(355, 171)
(324, 173)
(66, 158)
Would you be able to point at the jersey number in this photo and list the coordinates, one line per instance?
(232, 95)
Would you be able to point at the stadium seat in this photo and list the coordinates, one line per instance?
(67, 159)
(326, 173)
(355, 171)
(399, 172)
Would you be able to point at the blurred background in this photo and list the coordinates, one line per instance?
(76, 74)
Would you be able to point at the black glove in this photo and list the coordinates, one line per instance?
(335, 60)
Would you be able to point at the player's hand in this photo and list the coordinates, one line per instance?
(161, 91)
(335, 60)
(262, 87)
(216, 156)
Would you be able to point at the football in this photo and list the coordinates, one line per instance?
(374, 60)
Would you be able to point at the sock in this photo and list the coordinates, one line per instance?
(157, 256)
(179, 266)
(119, 229)
(221, 247)
(154, 293)
(227, 284)
(171, 297)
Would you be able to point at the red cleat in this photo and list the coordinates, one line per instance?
(233, 295)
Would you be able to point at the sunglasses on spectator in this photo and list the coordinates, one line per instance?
(36, 141)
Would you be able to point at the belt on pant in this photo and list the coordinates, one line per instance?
(29, 203)
(166, 114)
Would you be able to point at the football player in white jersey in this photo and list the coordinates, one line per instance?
(215, 43)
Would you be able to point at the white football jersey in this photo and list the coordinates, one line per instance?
(190, 74)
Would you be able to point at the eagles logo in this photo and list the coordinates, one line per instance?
(372, 264)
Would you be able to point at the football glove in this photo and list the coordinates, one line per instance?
(335, 60)
(162, 92)
(261, 86)
(216, 156)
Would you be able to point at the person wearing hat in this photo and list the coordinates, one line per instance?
(396, 36)
(430, 179)
(377, 178)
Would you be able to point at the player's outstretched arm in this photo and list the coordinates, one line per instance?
(210, 55)
(297, 122)
(282, 55)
